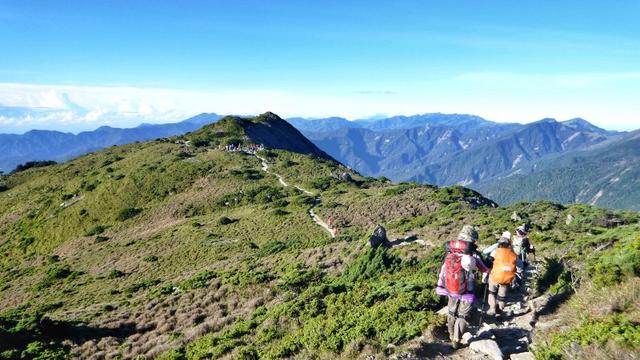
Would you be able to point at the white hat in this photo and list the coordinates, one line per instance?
(506, 237)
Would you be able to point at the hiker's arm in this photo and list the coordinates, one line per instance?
(489, 249)
(480, 265)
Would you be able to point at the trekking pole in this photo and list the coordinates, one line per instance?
(484, 297)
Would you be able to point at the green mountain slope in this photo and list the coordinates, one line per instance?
(178, 249)
(606, 175)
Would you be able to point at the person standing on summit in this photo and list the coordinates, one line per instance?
(456, 281)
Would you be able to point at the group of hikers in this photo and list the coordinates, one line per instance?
(502, 265)
(250, 148)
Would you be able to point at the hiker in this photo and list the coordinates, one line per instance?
(456, 281)
(503, 272)
(521, 244)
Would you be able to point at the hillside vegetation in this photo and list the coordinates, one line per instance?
(178, 249)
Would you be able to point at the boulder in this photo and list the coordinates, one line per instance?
(569, 219)
(522, 356)
(487, 347)
(345, 177)
(379, 237)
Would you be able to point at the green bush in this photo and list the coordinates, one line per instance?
(101, 238)
(372, 263)
(616, 328)
(200, 280)
(141, 286)
(32, 164)
(225, 221)
(399, 189)
(56, 274)
(128, 213)
(612, 266)
(96, 230)
(24, 243)
(280, 212)
(272, 247)
(114, 274)
(296, 277)
(200, 142)
(38, 350)
(322, 183)
(150, 258)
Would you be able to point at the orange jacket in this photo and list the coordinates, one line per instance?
(504, 266)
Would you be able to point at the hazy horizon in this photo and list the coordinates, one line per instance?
(128, 124)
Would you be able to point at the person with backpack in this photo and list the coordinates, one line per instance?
(521, 244)
(506, 265)
(456, 281)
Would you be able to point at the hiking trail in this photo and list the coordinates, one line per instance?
(505, 337)
(314, 217)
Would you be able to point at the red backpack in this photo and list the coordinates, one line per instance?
(456, 277)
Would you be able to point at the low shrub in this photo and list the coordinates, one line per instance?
(225, 221)
(150, 258)
(96, 230)
(56, 274)
(101, 238)
(33, 164)
(200, 280)
(141, 286)
(617, 329)
(279, 212)
(128, 213)
(114, 274)
(272, 247)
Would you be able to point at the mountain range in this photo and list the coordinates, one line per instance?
(207, 246)
(467, 150)
(37, 145)
(502, 160)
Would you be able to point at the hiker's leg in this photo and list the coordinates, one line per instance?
(464, 312)
(452, 308)
(493, 289)
(502, 296)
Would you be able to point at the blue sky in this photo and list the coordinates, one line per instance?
(123, 62)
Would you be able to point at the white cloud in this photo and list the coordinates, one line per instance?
(495, 96)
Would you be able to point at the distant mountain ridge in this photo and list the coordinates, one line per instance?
(502, 160)
(494, 158)
(59, 146)
(605, 175)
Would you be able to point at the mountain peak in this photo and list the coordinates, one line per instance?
(267, 129)
(583, 125)
(267, 117)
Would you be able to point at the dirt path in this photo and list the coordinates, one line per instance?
(505, 337)
(316, 219)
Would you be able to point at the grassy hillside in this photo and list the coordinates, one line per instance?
(177, 249)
